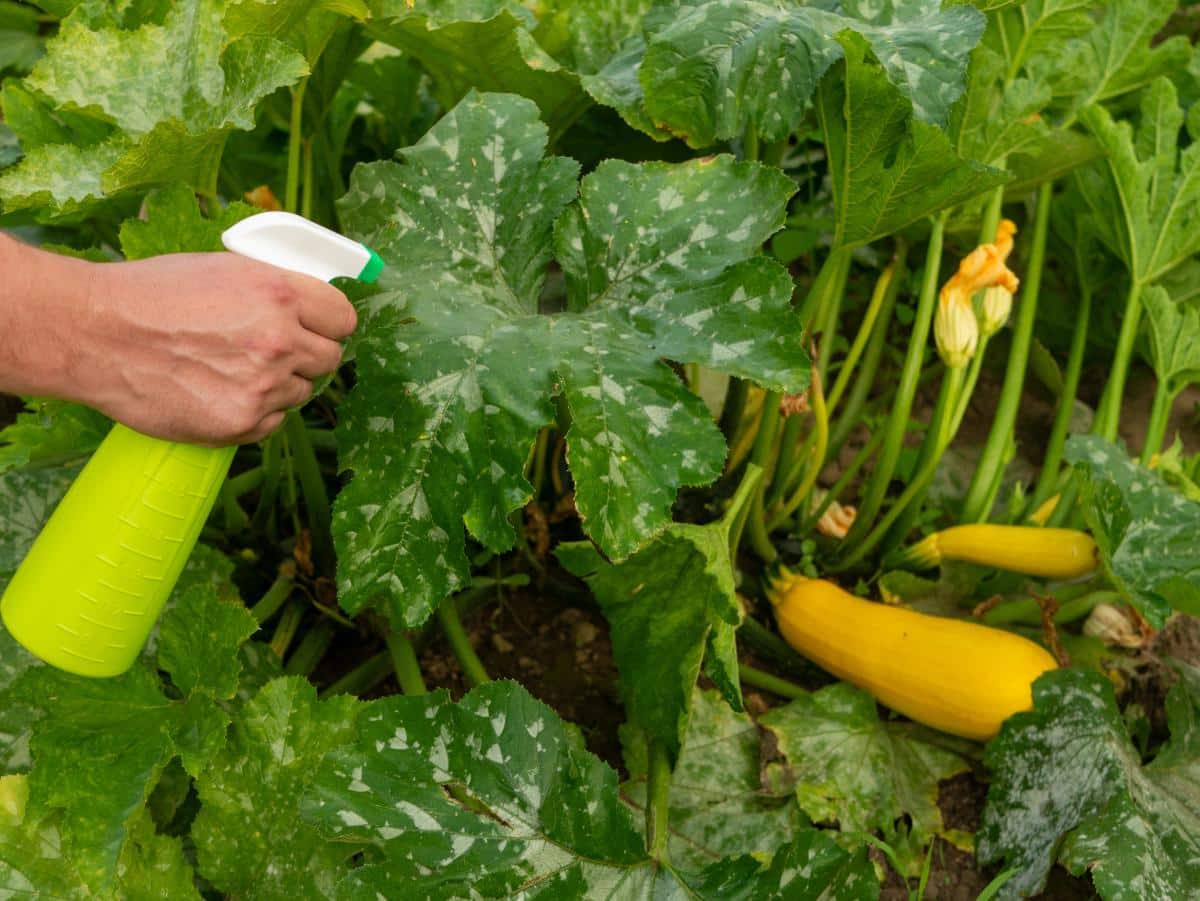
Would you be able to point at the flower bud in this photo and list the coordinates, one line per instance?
(997, 304)
(956, 330)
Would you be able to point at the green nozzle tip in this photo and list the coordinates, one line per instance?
(370, 272)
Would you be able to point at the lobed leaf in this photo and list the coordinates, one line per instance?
(660, 261)
(1068, 784)
(1145, 530)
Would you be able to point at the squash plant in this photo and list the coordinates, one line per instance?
(676, 291)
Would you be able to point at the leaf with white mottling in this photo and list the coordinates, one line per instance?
(719, 805)
(170, 91)
(661, 261)
(249, 839)
(714, 68)
(481, 45)
(1067, 783)
(1145, 530)
(52, 433)
(851, 768)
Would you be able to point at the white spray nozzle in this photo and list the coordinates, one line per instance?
(292, 242)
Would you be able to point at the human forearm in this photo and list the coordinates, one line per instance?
(42, 295)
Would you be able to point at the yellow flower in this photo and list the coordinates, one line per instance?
(997, 305)
(956, 327)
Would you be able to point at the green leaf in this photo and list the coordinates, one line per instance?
(719, 805)
(174, 224)
(27, 498)
(888, 169)
(199, 641)
(998, 118)
(538, 803)
(52, 433)
(481, 45)
(20, 46)
(171, 91)
(1067, 783)
(1117, 55)
(664, 605)
(586, 34)
(660, 261)
(1175, 338)
(1145, 530)
(704, 64)
(249, 840)
(35, 862)
(851, 768)
(812, 865)
(1036, 31)
(1145, 195)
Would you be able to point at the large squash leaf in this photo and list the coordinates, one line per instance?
(457, 365)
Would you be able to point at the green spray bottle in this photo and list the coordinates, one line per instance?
(90, 589)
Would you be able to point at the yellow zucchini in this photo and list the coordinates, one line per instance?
(953, 675)
(1034, 551)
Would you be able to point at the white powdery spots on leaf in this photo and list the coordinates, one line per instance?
(669, 198)
(399, 740)
(420, 819)
(356, 783)
(351, 819)
(495, 755)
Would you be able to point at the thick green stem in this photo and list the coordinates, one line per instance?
(472, 666)
(1108, 416)
(362, 678)
(897, 424)
(1027, 611)
(764, 444)
(285, 629)
(733, 521)
(658, 799)
(758, 679)
(991, 216)
(767, 644)
(734, 408)
(310, 650)
(235, 517)
(291, 193)
(272, 471)
(310, 187)
(245, 482)
(975, 506)
(857, 401)
(404, 661)
(916, 487)
(866, 329)
(316, 498)
(268, 605)
(816, 460)
(1160, 415)
(823, 287)
(537, 475)
(1047, 482)
(829, 312)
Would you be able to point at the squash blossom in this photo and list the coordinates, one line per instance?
(956, 326)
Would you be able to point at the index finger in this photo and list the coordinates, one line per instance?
(324, 309)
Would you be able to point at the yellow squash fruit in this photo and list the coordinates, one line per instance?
(953, 675)
(1034, 551)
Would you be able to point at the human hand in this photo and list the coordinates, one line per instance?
(209, 349)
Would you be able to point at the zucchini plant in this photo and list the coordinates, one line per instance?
(836, 357)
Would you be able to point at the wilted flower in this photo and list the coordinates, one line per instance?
(836, 521)
(956, 330)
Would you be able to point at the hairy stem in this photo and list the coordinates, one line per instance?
(758, 679)
(1160, 415)
(291, 193)
(312, 648)
(472, 666)
(658, 799)
(1108, 416)
(404, 662)
(362, 678)
(312, 484)
(276, 596)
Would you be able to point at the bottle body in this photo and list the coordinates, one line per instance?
(88, 593)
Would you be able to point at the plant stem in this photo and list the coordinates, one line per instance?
(316, 498)
(823, 287)
(830, 309)
(897, 424)
(946, 431)
(537, 465)
(767, 644)
(991, 459)
(1108, 416)
(404, 662)
(991, 216)
(291, 194)
(883, 285)
(272, 468)
(1160, 415)
(362, 678)
(816, 461)
(733, 521)
(281, 589)
(1026, 611)
(472, 666)
(767, 682)
(285, 629)
(734, 407)
(857, 400)
(311, 649)
(235, 517)
(310, 188)
(1048, 477)
(764, 443)
(839, 486)
(658, 799)
(245, 482)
